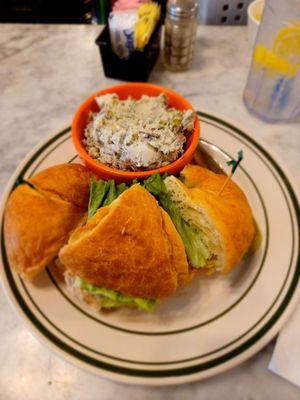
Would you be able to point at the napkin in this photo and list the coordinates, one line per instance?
(285, 360)
(121, 29)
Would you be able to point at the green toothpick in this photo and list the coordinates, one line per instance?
(234, 164)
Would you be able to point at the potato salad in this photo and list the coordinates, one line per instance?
(137, 135)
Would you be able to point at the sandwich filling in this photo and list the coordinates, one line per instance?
(100, 297)
(197, 219)
(198, 247)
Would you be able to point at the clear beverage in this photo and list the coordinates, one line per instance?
(273, 87)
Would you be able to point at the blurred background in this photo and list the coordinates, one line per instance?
(212, 12)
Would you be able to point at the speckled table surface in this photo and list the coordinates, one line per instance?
(45, 72)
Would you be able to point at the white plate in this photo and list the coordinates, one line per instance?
(211, 325)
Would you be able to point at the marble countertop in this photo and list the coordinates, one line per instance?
(45, 73)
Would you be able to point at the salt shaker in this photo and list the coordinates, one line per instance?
(180, 34)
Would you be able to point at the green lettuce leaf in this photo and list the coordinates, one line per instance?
(113, 299)
(98, 190)
(121, 188)
(196, 251)
(103, 193)
(111, 193)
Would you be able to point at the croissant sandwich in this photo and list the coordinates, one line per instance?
(217, 229)
(41, 213)
(141, 243)
(126, 245)
(128, 253)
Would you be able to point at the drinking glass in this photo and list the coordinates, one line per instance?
(273, 87)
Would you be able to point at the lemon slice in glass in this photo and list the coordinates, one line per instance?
(272, 62)
(287, 43)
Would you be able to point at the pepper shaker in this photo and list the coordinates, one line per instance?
(180, 34)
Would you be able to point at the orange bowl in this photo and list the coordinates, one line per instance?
(135, 90)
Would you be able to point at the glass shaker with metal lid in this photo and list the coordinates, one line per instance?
(180, 34)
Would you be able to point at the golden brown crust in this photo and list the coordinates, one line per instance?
(178, 251)
(38, 223)
(70, 182)
(124, 247)
(36, 226)
(230, 212)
